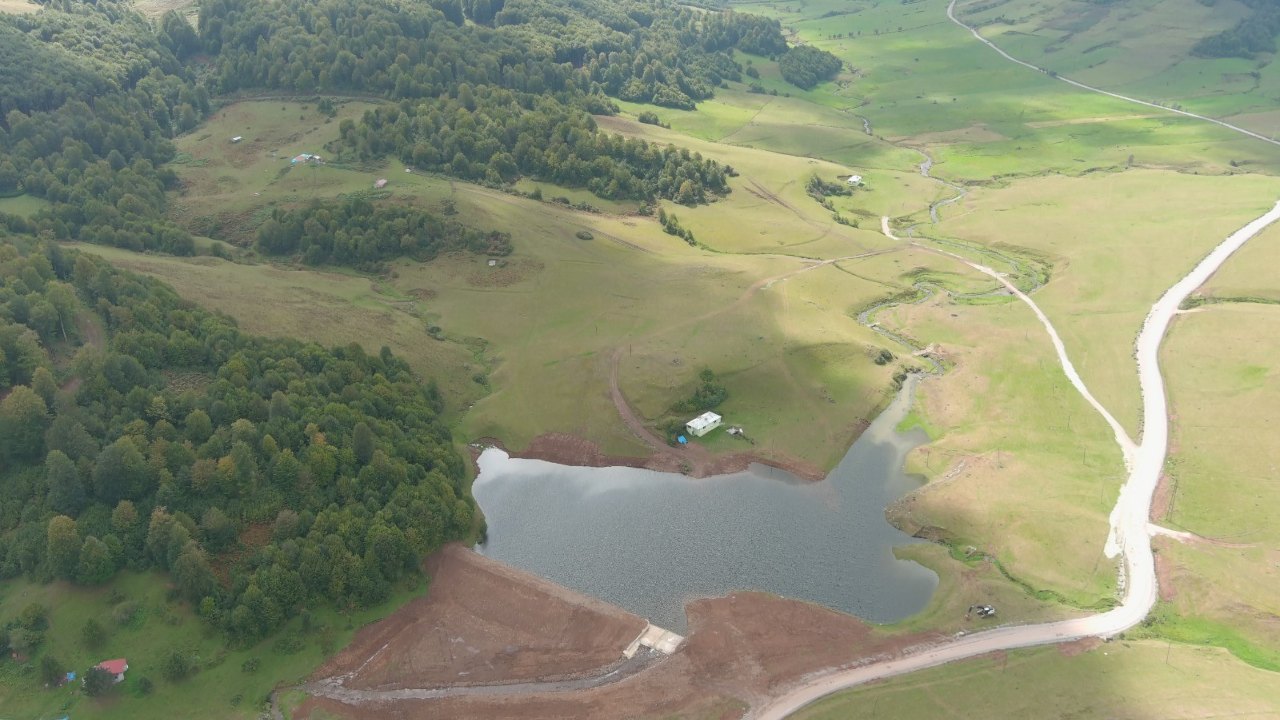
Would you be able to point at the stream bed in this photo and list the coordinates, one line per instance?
(650, 541)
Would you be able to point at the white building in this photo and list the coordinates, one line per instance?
(703, 424)
(855, 179)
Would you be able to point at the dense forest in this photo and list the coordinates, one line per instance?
(1253, 35)
(140, 431)
(359, 234)
(477, 137)
(264, 475)
(805, 67)
(520, 104)
(485, 90)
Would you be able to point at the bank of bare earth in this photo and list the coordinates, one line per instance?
(488, 641)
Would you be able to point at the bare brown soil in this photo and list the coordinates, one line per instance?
(1162, 501)
(740, 649)
(1079, 647)
(483, 622)
(1165, 570)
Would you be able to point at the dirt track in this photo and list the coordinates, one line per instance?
(740, 650)
(692, 459)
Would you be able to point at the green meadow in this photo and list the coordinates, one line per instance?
(1130, 679)
(145, 627)
(790, 352)
(1112, 202)
(1097, 44)
(24, 205)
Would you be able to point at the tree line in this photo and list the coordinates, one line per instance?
(92, 97)
(359, 234)
(477, 136)
(487, 91)
(805, 66)
(1253, 35)
(277, 476)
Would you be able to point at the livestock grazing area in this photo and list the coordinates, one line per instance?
(581, 329)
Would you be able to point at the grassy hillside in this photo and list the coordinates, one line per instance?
(1141, 48)
(1120, 680)
(786, 353)
(144, 625)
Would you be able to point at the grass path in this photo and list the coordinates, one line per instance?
(1127, 446)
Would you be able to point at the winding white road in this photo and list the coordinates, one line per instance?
(973, 31)
(1130, 534)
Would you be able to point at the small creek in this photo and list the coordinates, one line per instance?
(651, 541)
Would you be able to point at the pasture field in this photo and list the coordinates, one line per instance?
(18, 7)
(327, 307)
(530, 341)
(963, 582)
(1128, 679)
(228, 188)
(1223, 383)
(24, 205)
(1022, 469)
(1250, 273)
(157, 8)
(671, 310)
(1116, 241)
(922, 80)
(788, 125)
(1224, 389)
(1096, 44)
(144, 627)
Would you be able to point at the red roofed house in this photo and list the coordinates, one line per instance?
(116, 668)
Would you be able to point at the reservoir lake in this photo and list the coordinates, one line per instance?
(651, 541)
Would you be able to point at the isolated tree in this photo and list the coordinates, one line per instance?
(52, 672)
(97, 681)
(92, 634)
(176, 666)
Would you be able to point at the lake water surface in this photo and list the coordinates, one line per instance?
(651, 541)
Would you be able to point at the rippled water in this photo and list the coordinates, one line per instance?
(650, 541)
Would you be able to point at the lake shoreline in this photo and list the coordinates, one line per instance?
(575, 451)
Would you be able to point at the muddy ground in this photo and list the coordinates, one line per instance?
(483, 626)
(483, 622)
